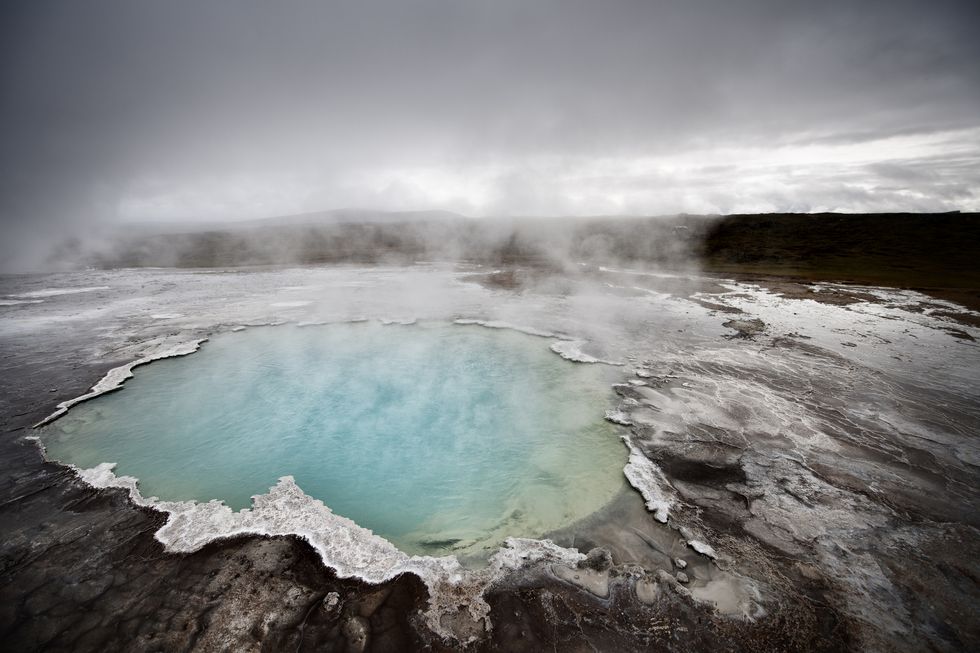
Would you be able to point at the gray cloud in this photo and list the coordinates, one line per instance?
(223, 110)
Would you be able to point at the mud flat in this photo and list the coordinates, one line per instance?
(810, 485)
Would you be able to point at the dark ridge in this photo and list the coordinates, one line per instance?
(937, 253)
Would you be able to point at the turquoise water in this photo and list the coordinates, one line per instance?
(439, 437)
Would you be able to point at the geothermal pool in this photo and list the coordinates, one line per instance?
(441, 438)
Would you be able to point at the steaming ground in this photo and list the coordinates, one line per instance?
(804, 459)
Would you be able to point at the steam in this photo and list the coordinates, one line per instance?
(550, 245)
(114, 112)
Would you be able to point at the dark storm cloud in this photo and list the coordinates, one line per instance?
(221, 110)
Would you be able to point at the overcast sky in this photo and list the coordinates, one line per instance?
(144, 111)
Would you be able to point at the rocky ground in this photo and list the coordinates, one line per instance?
(805, 458)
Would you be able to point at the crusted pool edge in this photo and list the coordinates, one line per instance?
(353, 551)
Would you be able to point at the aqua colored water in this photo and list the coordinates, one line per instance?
(438, 437)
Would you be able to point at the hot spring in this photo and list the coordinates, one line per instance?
(441, 438)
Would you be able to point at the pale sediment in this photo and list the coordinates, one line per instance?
(114, 379)
(827, 475)
(350, 550)
(572, 350)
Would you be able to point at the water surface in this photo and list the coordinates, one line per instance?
(438, 437)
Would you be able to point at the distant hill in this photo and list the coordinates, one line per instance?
(939, 253)
(355, 216)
